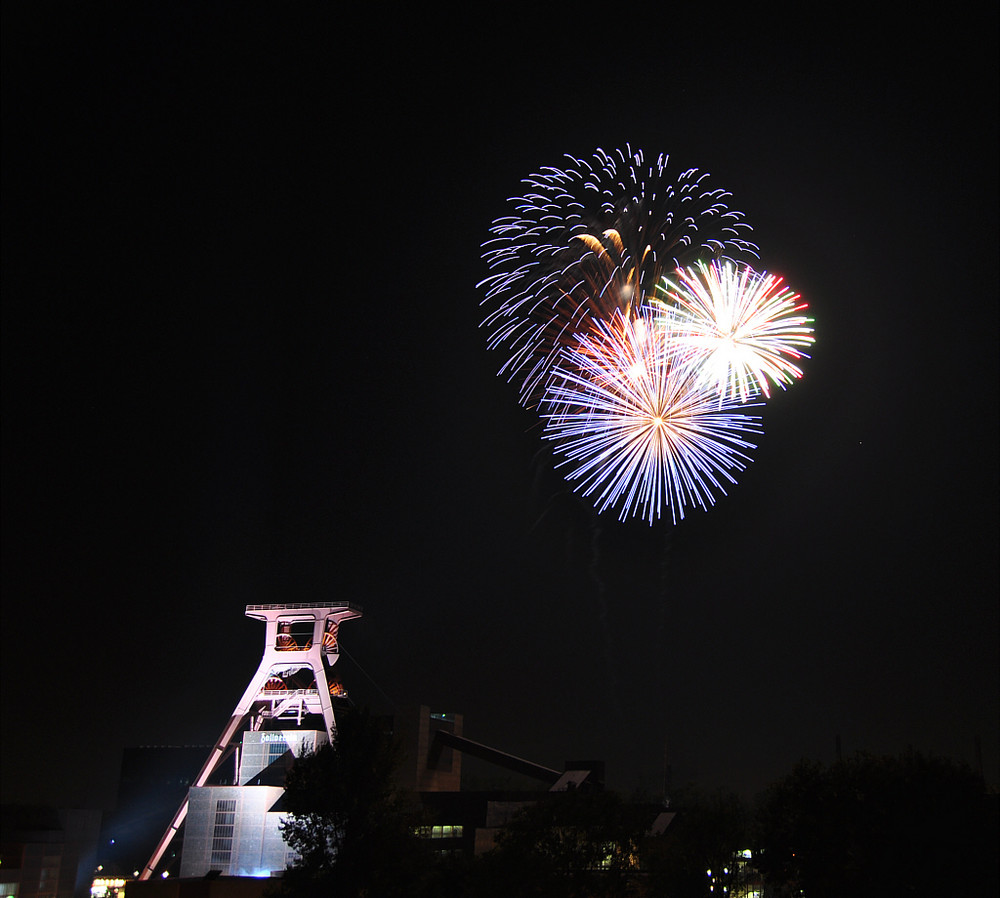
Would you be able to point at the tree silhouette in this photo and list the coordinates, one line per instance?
(572, 844)
(709, 831)
(352, 829)
(907, 825)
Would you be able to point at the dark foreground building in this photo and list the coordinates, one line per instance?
(47, 853)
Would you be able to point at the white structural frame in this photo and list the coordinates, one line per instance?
(283, 654)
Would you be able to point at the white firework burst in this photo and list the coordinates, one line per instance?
(742, 328)
(637, 430)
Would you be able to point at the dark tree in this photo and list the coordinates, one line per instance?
(353, 830)
(709, 831)
(569, 845)
(906, 825)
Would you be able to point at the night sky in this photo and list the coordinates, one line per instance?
(242, 363)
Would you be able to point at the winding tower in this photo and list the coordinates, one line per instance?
(294, 679)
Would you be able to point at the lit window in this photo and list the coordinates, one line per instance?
(453, 831)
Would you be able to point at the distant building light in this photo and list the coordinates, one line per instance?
(440, 832)
(104, 887)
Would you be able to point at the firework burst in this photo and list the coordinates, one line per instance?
(742, 329)
(623, 299)
(639, 431)
(589, 239)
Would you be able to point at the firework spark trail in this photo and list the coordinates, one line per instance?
(601, 617)
(742, 327)
(638, 429)
(591, 238)
(603, 620)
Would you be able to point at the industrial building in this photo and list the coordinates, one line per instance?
(287, 709)
(228, 823)
(46, 852)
